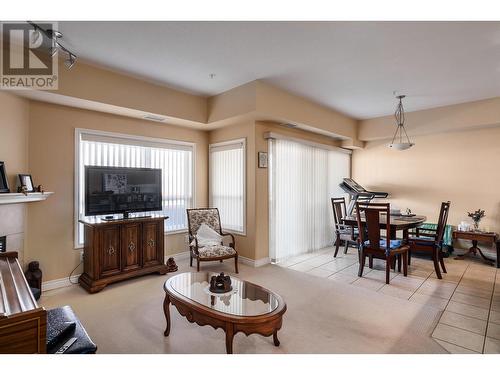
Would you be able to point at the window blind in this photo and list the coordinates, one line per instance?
(175, 160)
(227, 183)
(303, 178)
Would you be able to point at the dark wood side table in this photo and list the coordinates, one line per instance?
(475, 237)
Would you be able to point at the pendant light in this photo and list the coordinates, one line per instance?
(400, 135)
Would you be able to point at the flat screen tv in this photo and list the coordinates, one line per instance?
(118, 190)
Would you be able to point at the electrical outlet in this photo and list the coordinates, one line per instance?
(81, 256)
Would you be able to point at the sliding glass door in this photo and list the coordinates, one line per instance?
(303, 178)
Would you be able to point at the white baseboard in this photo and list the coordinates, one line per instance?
(177, 257)
(254, 263)
(59, 283)
(244, 260)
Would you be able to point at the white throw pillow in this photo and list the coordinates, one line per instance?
(207, 236)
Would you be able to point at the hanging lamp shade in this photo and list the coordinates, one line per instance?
(400, 141)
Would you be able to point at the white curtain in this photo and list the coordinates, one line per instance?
(303, 178)
(176, 163)
(227, 183)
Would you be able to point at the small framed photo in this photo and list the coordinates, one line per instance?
(4, 182)
(26, 180)
(262, 159)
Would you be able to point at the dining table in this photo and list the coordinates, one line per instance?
(401, 223)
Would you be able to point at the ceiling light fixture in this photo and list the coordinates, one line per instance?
(400, 130)
(53, 36)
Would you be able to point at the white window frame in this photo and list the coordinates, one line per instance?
(229, 143)
(137, 138)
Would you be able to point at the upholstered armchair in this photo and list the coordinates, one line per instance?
(210, 217)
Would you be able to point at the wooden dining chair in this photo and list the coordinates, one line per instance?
(430, 241)
(372, 244)
(343, 233)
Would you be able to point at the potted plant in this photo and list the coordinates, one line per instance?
(476, 217)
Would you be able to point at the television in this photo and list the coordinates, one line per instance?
(119, 190)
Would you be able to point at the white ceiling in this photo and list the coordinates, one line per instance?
(352, 67)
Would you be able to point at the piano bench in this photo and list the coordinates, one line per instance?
(57, 320)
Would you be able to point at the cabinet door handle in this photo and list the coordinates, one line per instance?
(131, 246)
(111, 250)
(151, 242)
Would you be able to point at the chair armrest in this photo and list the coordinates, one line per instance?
(232, 238)
(195, 247)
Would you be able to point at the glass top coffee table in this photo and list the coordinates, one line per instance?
(248, 308)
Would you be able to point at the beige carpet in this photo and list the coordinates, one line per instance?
(324, 316)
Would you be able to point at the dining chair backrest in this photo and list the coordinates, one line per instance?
(339, 210)
(370, 228)
(443, 218)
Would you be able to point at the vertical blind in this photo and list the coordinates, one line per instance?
(175, 161)
(302, 180)
(227, 183)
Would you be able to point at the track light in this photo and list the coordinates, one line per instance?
(35, 36)
(70, 61)
(53, 50)
(53, 36)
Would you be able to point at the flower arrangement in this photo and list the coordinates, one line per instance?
(476, 217)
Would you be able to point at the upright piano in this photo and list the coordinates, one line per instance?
(23, 324)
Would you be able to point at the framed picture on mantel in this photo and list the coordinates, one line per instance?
(4, 183)
(26, 181)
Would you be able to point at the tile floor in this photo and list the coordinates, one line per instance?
(468, 295)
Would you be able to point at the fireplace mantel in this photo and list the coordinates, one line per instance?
(10, 198)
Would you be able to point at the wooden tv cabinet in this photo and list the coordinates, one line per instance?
(120, 249)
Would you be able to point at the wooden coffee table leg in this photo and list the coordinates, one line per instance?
(229, 338)
(275, 338)
(166, 310)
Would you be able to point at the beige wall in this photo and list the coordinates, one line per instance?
(14, 126)
(92, 83)
(51, 163)
(458, 166)
(283, 106)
